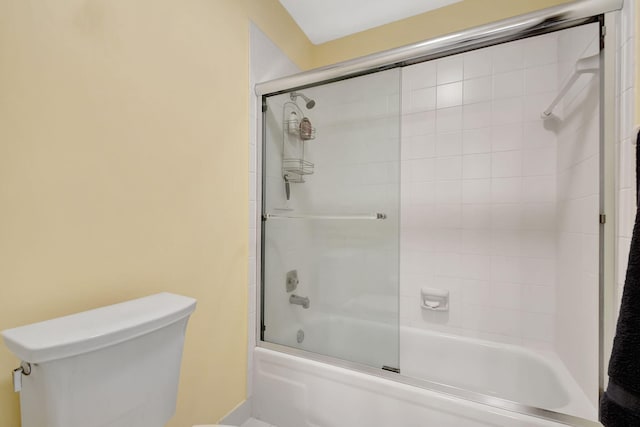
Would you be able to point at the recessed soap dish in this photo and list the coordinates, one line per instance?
(434, 299)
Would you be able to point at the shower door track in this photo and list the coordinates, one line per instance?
(537, 23)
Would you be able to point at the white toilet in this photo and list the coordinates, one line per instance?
(116, 366)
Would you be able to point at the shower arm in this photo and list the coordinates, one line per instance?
(310, 103)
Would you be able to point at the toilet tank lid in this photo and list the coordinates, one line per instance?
(94, 329)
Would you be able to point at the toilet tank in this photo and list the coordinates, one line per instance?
(115, 366)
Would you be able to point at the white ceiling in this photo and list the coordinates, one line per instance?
(325, 20)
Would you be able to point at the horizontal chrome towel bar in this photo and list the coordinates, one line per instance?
(374, 216)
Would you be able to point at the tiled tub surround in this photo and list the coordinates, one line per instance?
(497, 205)
(491, 196)
(625, 147)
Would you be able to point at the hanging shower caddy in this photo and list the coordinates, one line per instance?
(296, 131)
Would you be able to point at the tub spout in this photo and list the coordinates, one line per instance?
(298, 300)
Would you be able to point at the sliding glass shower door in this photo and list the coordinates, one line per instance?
(488, 286)
(331, 198)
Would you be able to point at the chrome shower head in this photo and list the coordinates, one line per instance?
(310, 103)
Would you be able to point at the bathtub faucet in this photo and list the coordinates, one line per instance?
(297, 300)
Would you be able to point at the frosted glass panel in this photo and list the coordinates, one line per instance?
(331, 219)
(500, 212)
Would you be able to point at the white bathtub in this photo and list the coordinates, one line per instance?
(505, 371)
(291, 391)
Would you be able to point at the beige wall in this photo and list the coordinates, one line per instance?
(123, 171)
(274, 21)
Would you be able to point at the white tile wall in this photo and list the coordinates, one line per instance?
(625, 149)
(466, 224)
